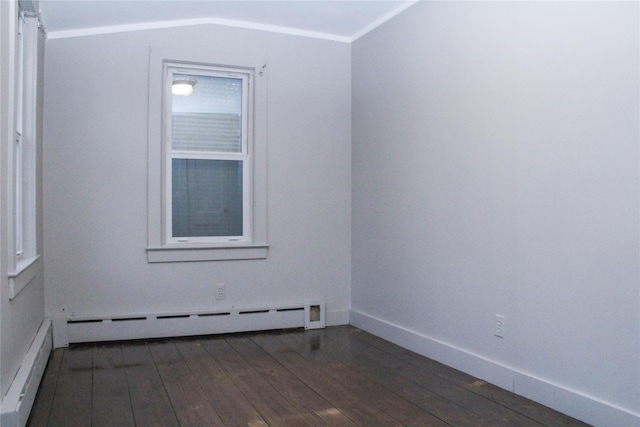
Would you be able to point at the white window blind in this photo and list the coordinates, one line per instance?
(209, 119)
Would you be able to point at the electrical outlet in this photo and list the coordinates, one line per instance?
(500, 326)
(220, 291)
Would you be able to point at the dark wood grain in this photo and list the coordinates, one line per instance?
(312, 347)
(291, 387)
(230, 404)
(190, 403)
(338, 376)
(111, 403)
(429, 376)
(336, 393)
(39, 416)
(71, 404)
(151, 405)
(540, 413)
(272, 406)
(418, 394)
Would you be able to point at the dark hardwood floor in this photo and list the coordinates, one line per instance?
(339, 376)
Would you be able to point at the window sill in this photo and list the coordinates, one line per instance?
(26, 270)
(205, 253)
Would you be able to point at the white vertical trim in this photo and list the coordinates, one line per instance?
(18, 151)
(18, 402)
(29, 136)
(60, 332)
(8, 39)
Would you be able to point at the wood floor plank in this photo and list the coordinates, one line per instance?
(151, 405)
(534, 410)
(540, 413)
(347, 402)
(269, 403)
(111, 401)
(290, 386)
(190, 403)
(407, 356)
(72, 400)
(230, 404)
(486, 400)
(338, 376)
(444, 409)
(39, 416)
(309, 345)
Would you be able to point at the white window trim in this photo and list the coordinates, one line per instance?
(26, 270)
(161, 249)
(23, 246)
(18, 194)
(245, 154)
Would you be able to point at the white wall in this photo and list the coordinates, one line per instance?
(22, 315)
(495, 171)
(95, 176)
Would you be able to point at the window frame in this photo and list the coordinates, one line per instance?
(161, 246)
(24, 244)
(244, 155)
(18, 194)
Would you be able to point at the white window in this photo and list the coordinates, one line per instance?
(207, 156)
(24, 154)
(210, 145)
(17, 148)
(25, 140)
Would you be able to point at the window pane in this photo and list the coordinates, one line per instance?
(18, 196)
(210, 118)
(207, 198)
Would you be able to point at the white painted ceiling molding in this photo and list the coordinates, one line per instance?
(336, 20)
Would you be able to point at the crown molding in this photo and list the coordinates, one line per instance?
(113, 29)
(82, 32)
(375, 24)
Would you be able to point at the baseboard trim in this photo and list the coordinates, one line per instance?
(571, 402)
(18, 402)
(338, 317)
(158, 325)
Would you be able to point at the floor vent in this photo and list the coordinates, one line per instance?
(314, 316)
(254, 311)
(228, 313)
(174, 316)
(127, 319)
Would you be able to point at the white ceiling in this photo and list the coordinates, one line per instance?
(341, 20)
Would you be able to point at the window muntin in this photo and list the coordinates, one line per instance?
(208, 194)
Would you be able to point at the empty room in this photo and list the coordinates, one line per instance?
(310, 212)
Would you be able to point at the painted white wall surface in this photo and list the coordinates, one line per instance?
(95, 176)
(22, 315)
(495, 171)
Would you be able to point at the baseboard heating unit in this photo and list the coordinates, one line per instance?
(18, 401)
(160, 325)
